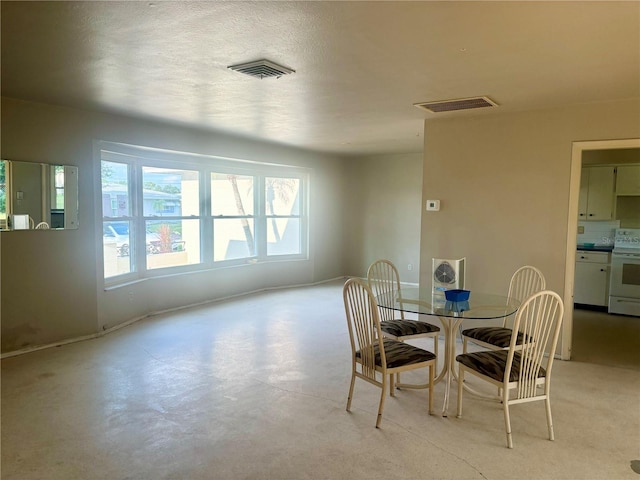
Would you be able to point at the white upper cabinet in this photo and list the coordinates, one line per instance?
(628, 180)
(596, 193)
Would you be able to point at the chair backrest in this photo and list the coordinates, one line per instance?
(364, 325)
(384, 281)
(525, 282)
(539, 318)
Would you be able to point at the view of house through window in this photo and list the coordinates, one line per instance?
(116, 213)
(172, 195)
(158, 217)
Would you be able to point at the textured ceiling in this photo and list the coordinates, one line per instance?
(359, 66)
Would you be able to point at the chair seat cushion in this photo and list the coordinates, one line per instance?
(407, 328)
(399, 354)
(493, 364)
(498, 336)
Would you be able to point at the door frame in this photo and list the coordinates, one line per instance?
(577, 149)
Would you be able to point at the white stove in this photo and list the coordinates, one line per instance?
(624, 287)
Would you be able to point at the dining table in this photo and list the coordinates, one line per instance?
(427, 303)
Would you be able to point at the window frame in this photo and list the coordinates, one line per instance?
(137, 158)
(132, 274)
(266, 217)
(254, 216)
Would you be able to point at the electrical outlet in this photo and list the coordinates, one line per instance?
(409, 267)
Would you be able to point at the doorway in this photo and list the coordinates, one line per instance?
(577, 151)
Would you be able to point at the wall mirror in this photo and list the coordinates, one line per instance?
(38, 196)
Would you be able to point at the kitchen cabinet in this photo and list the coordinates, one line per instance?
(596, 193)
(628, 180)
(591, 286)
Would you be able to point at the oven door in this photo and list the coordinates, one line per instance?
(625, 275)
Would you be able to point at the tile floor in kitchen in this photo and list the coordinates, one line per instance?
(600, 338)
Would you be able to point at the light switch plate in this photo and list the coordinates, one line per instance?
(433, 205)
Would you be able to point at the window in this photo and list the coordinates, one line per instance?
(172, 195)
(3, 194)
(116, 216)
(165, 212)
(282, 202)
(232, 209)
(57, 200)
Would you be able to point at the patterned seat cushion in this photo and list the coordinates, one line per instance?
(406, 328)
(493, 364)
(498, 336)
(399, 354)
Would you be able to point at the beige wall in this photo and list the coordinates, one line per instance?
(27, 179)
(624, 155)
(50, 289)
(383, 220)
(503, 181)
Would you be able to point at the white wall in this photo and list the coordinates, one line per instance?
(50, 289)
(383, 221)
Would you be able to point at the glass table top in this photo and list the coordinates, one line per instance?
(422, 301)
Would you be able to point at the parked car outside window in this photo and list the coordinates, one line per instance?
(118, 233)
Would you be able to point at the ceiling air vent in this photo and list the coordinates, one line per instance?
(457, 104)
(262, 69)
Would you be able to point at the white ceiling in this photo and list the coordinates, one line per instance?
(360, 66)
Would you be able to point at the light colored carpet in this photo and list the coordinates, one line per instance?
(256, 387)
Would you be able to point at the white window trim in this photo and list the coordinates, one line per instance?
(139, 156)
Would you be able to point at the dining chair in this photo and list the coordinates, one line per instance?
(384, 280)
(525, 369)
(375, 358)
(524, 282)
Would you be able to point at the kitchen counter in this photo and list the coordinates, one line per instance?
(596, 248)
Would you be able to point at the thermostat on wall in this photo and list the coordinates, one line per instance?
(433, 205)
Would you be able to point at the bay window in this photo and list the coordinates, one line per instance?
(166, 212)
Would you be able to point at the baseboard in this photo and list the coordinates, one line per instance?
(597, 308)
(151, 314)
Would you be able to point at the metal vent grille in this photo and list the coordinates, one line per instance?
(261, 69)
(457, 104)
